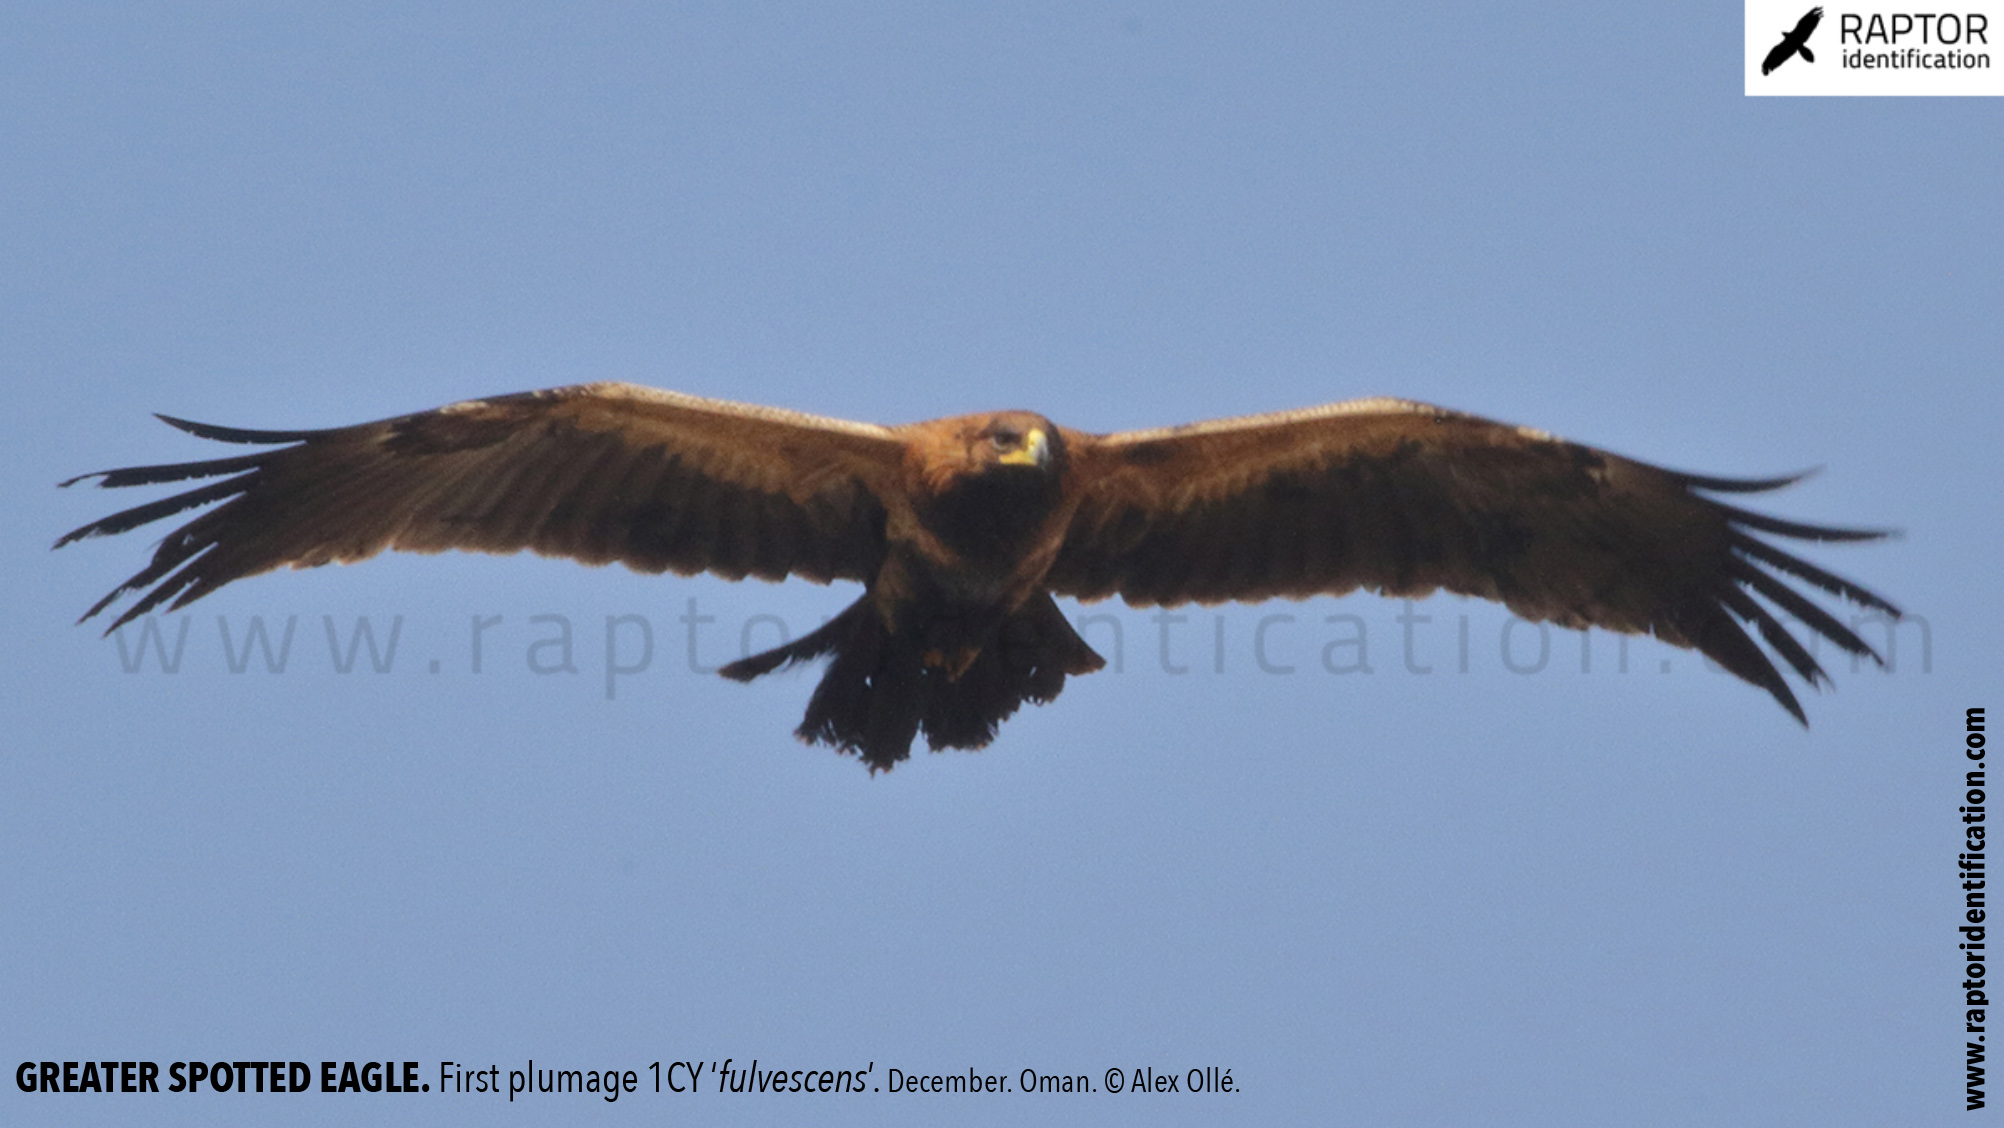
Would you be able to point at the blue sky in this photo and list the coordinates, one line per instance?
(1563, 896)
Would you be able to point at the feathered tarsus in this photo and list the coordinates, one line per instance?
(961, 530)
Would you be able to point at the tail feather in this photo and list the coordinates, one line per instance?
(1033, 652)
(878, 694)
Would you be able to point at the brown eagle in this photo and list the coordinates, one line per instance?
(962, 530)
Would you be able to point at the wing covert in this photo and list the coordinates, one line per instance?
(1405, 499)
(597, 473)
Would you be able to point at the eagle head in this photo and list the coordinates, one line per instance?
(1013, 442)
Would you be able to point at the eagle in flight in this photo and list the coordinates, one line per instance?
(962, 530)
(1793, 41)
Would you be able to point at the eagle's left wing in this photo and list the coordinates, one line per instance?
(1777, 55)
(1403, 498)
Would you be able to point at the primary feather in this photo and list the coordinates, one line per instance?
(962, 529)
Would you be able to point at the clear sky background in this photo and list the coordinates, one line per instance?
(1385, 897)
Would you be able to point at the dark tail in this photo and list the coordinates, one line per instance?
(878, 693)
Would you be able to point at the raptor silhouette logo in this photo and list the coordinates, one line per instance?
(1793, 42)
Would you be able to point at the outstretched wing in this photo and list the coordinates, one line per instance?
(1793, 41)
(1405, 499)
(597, 473)
(1778, 55)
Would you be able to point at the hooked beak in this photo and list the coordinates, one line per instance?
(1035, 451)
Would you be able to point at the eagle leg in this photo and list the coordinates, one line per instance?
(1031, 653)
(879, 691)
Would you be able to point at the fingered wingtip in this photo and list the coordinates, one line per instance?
(1744, 485)
(233, 434)
(101, 605)
(75, 535)
(1786, 696)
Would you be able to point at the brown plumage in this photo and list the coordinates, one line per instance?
(962, 530)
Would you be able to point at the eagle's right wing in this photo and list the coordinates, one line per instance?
(597, 472)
